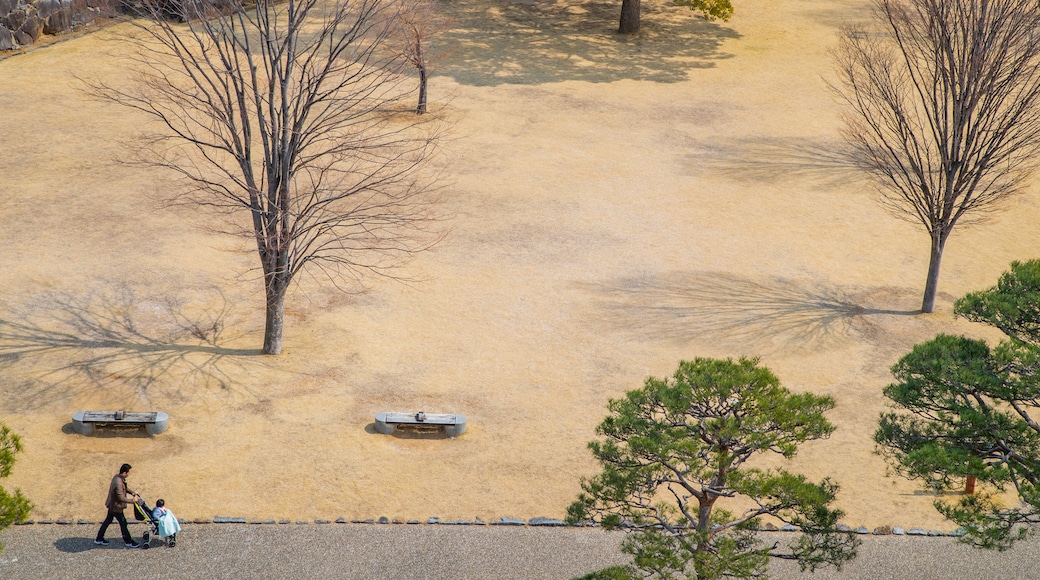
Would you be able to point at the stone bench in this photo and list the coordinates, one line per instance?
(84, 422)
(453, 425)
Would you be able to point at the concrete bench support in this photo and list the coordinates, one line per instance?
(85, 422)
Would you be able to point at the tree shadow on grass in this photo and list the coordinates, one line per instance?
(838, 13)
(117, 343)
(750, 315)
(825, 162)
(493, 42)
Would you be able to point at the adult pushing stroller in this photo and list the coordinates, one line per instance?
(161, 523)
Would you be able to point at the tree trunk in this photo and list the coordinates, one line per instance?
(275, 317)
(629, 17)
(969, 485)
(932, 283)
(421, 108)
(704, 508)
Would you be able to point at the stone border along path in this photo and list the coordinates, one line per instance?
(504, 521)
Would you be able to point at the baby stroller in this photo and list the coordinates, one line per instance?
(144, 513)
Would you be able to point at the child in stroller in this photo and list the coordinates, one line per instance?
(161, 522)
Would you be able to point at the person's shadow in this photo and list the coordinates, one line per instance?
(77, 545)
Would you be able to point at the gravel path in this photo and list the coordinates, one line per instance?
(425, 551)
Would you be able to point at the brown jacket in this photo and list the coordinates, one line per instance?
(118, 495)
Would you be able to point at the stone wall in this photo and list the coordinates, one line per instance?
(22, 22)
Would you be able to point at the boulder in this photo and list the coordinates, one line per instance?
(109, 7)
(8, 6)
(21, 38)
(6, 38)
(83, 17)
(103, 8)
(58, 22)
(44, 8)
(32, 27)
(14, 19)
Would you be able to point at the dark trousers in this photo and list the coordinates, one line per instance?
(119, 517)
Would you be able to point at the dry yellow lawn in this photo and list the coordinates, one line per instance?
(620, 204)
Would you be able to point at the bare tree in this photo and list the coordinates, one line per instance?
(944, 109)
(287, 112)
(418, 22)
